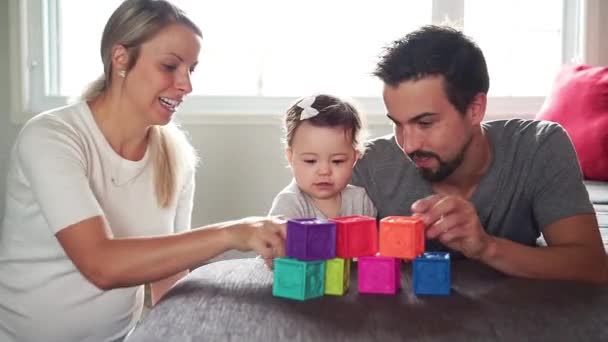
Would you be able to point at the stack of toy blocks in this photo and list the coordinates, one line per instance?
(403, 237)
(322, 249)
(400, 238)
(356, 237)
(301, 274)
(319, 252)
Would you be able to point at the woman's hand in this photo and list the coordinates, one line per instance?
(263, 235)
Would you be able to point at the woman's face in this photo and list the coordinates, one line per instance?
(160, 78)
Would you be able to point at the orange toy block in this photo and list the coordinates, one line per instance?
(401, 237)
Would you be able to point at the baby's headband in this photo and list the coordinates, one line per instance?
(307, 110)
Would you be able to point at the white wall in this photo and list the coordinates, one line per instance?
(8, 131)
(603, 33)
(243, 166)
(596, 45)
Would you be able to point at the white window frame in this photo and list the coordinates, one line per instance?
(31, 70)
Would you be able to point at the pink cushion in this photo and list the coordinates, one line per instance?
(579, 102)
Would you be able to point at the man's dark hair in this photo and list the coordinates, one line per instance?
(437, 50)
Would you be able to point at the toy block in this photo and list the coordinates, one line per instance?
(401, 237)
(432, 274)
(356, 236)
(297, 279)
(311, 239)
(337, 276)
(379, 274)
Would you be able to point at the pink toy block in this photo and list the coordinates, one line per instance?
(401, 237)
(379, 274)
(356, 236)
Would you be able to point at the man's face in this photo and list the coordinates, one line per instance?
(428, 128)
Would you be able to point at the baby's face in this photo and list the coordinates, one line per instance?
(321, 159)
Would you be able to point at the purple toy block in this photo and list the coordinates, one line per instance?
(379, 274)
(311, 239)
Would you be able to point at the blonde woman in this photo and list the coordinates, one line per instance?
(100, 193)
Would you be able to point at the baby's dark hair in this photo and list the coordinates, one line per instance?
(333, 112)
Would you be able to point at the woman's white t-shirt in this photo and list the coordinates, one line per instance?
(62, 171)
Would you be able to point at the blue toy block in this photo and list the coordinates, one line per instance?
(311, 239)
(297, 279)
(432, 274)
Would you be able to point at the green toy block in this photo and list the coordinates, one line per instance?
(297, 279)
(337, 276)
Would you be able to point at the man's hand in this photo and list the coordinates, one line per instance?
(454, 221)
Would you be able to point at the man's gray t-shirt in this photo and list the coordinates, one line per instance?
(534, 179)
(291, 202)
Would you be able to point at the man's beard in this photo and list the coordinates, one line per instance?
(445, 169)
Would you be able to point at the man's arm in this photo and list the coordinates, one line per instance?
(571, 254)
(574, 252)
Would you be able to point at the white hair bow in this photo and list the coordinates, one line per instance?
(307, 110)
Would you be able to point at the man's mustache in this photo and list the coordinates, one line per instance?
(423, 154)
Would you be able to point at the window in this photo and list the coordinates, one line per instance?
(259, 55)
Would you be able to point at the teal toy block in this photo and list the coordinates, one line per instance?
(337, 276)
(297, 279)
(432, 274)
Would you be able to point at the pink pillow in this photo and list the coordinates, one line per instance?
(579, 102)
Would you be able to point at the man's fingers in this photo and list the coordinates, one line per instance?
(444, 224)
(423, 205)
(444, 207)
(451, 235)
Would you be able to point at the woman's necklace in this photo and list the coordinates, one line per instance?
(116, 177)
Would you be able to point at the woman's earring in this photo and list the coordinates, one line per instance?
(122, 73)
